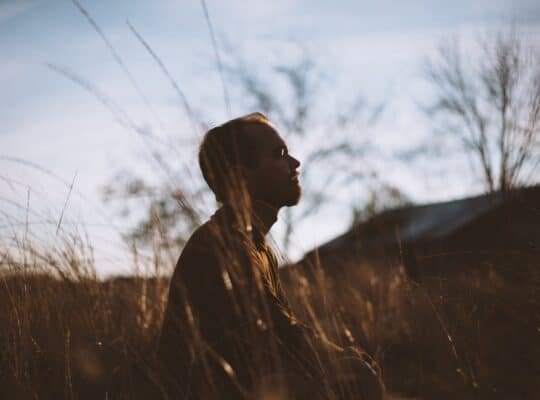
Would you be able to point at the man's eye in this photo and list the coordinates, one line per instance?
(281, 152)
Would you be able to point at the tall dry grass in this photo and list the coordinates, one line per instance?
(67, 334)
(472, 333)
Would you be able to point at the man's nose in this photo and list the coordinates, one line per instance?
(294, 162)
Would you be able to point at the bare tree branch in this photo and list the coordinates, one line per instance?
(491, 106)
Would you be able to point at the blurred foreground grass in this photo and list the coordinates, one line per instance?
(67, 334)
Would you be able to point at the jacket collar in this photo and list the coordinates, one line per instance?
(243, 223)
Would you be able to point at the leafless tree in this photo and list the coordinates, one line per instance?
(382, 196)
(332, 145)
(173, 203)
(335, 142)
(490, 101)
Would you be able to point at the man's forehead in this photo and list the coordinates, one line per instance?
(265, 135)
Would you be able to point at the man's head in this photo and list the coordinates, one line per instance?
(247, 154)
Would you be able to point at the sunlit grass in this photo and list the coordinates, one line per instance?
(67, 334)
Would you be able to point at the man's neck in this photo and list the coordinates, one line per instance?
(261, 214)
(265, 214)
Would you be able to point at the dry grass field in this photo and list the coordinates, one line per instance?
(471, 333)
(66, 334)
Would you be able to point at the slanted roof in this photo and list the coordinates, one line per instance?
(430, 221)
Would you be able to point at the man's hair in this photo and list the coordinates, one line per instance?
(226, 146)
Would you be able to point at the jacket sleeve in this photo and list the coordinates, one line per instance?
(209, 293)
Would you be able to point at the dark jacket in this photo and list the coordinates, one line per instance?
(227, 323)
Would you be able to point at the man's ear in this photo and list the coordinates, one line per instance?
(242, 171)
(240, 183)
(239, 176)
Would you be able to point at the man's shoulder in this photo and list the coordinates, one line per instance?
(210, 239)
(218, 233)
(203, 240)
(198, 255)
(211, 243)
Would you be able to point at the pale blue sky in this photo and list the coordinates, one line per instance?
(369, 47)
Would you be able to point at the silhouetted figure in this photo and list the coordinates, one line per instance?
(228, 330)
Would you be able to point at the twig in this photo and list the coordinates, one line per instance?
(120, 116)
(65, 204)
(117, 58)
(218, 58)
(166, 72)
(25, 238)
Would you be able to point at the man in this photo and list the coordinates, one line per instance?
(228, 330)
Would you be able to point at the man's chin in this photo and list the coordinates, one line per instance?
(295, 198)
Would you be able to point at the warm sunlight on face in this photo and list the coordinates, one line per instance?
(275, 177)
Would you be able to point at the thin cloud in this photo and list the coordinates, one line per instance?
(12, 9)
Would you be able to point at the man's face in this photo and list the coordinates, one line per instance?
(274, 179)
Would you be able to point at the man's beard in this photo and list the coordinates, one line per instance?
(294, 198)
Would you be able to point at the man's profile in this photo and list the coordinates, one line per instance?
(228, 330)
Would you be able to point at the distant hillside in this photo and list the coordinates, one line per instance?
(436, 238)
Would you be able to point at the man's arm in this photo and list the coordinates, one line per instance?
(230, 304)
(207, 287)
